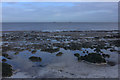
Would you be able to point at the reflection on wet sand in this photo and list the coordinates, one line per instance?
(45, 53)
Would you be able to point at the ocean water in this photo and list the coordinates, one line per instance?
(57, 26)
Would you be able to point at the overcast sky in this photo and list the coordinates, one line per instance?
(60, 12)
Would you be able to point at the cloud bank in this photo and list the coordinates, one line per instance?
(60, 12)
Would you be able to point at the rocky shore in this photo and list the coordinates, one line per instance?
(65, 54)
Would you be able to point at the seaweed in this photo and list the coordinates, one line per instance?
(4, 60)
(75, 46)
(59, 54)
(34, 51)
(72, 46)
(106, 55)
(97, 37)
(16, 53)
(51, 50)
(98, 50)
(6, 70)
(115, 43)
(111, 63)
(94, 58)
(86, 45)
(6, 48)
(80, 58)
(100, 44)
(77, 54)
(112, 50)
(35, 59)
(18, 49)
(6, 55)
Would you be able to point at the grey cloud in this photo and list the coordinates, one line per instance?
(78, 12)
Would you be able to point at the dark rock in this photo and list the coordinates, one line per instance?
(16, 53)
(77, 54)
(35, 59)
(4, 60)
(6, 70)
(112, 50)
(6, 55)
(106, 55)
(34, 51)
(111, 63)
(51, 50)
(93, 58)
(59, 54)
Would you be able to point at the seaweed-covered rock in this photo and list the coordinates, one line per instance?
(87, 52)
(69, 46)
(111, 63)
(51, 50)
(4, 60)
(16, 53)
(79, 58)
(35, 59)
(18, 49)
(98, 50)
(77, 54)
(6, 56)
(87, 45)
(106, 55)
(6, 70)
(97, 37)
(59, 54)
(116, 43)
(100, 45)
(94, 58)
(34, 51)
(74, 46)
(6, 48)
(112, 50)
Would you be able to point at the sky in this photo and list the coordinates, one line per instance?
(59, 11)
(60, 0)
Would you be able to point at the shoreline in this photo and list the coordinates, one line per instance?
(20, 46)
(65, 31)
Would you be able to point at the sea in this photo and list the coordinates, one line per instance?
(58, 26)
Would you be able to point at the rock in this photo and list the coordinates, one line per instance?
(111, 63)
(6, 70)
(6, 55)
(106, 55)
(60, 70)
(35, 59)
(59, 54)
(51, 50)
(4, 60)
(77, 54)
(112, 50)
(93, 58)
(79, 59)
(34, 51)
(16, 53)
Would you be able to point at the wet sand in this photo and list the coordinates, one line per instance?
(65, 65)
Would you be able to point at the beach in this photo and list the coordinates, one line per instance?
(60, 40)
(37, 54)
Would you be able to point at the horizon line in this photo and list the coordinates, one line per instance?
(53, 22)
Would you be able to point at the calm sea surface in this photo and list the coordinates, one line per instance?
(58, 26)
